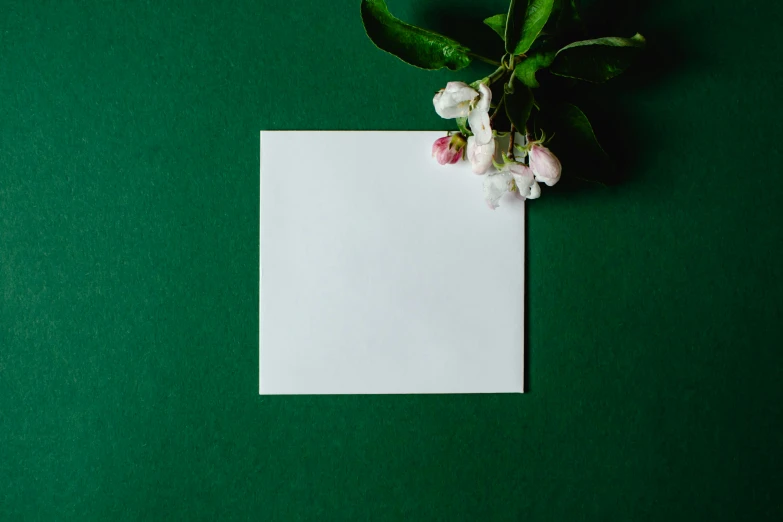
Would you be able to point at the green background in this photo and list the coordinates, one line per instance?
(129, 276)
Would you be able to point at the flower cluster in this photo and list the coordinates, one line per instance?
(519, 171)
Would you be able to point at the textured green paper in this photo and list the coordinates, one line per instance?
(129, 276)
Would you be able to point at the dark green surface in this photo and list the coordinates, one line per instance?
(129, 262)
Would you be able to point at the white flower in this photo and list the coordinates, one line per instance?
(532, 192)
(480, 155)
(478, 117)
(524, 180)
(545, 165)
(459, 99)
(514, 177)
(495, 185)
(454, 100)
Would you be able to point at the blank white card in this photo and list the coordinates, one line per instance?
(384, 272)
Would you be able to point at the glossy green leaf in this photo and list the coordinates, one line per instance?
(526, 19)
(518, 105)
(498, 24)
(526, 70)
(414, 45)
(514, 21)
(597, 60)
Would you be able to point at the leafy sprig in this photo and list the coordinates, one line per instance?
(537, 35)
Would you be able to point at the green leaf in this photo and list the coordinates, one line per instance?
(462, 125)
(518, 106)
(573, 123)
(514, 21)
(498, 24)
(573, 141)
(565, 18)
(597, 60)
(569, 16)
(526, 70)
(414, 45)
(538, 12)
(526, 19)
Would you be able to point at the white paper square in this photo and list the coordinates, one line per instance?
(384, 272)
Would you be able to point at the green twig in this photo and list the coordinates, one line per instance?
(511, 143)
(484, 59)
(497, 109)
(495, 76)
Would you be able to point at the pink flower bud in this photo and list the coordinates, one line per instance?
(545, 165)
(448, 150)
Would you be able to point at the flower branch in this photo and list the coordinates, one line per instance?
(532, 32)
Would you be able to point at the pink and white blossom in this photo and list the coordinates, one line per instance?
(448, 149)
(496, 184)
(454, 101)
(460, 100)
(545, 165)
(480, 155)
(478, 117)
(524, 179)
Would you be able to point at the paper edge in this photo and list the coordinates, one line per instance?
(260, 264)
(524, 295)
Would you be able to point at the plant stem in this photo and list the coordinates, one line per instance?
(484, 59)
(511, 83)
(497, 109)
(511, 143)
(495, 76)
